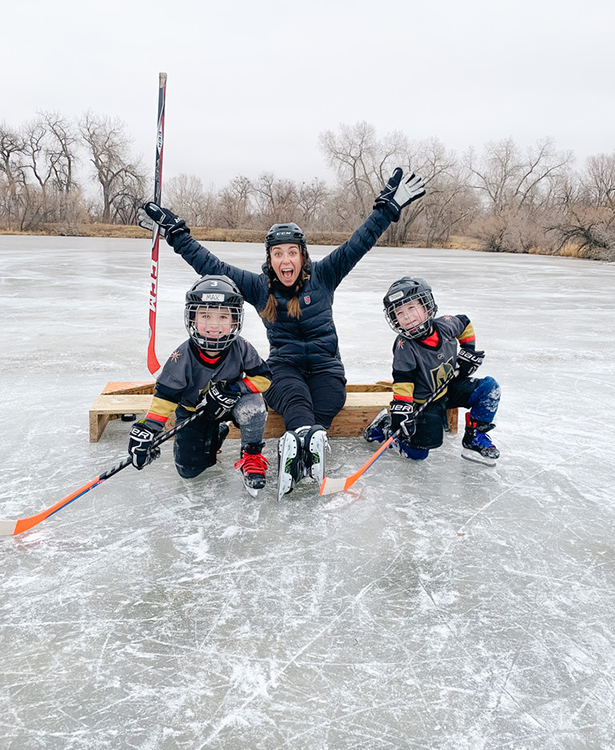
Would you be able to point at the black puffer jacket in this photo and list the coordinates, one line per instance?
(309, 342)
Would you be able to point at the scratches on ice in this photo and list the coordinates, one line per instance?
(438, 606)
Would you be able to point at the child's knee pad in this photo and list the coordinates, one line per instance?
(485, 400)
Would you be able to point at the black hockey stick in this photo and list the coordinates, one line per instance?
(330, 485)
(152, 361)
(9, 528)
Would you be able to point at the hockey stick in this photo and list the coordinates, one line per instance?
(9, 528)
(152, 361)
(330, 485)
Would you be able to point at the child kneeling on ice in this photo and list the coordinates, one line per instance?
(218, 373)
(424, 357)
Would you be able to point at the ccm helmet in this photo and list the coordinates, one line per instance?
(283, 234)
(410, 289)
(217, 300)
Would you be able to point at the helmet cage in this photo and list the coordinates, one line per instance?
(221, 342)
(401, 293)
(214, 293)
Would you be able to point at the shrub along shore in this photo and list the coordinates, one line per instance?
(213, 234)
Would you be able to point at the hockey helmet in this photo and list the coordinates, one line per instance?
(208, 297)
(406, 290)
(283, 234)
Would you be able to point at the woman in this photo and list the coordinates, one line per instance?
(294, 297)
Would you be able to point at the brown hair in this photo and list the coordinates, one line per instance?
(270, 313)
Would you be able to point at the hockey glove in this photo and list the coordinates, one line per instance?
(171, 226)
(140, 446)
(402, 420)
(220, 400)
(468, 362)
(399, 191)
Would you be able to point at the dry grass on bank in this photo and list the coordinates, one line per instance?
(204, 234)
(213, 234)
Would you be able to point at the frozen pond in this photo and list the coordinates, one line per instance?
(436, 606)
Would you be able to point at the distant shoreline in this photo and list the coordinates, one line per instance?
(213, 234)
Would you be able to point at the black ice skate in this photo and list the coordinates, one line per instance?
(290, 466)
(314, 447)
(477, 445)
(379, 429)
(253, 466)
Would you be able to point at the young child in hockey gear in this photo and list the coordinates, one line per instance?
(294, 297)
(217, 372)
(424, 357)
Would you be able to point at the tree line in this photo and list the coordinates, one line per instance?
(505, 198)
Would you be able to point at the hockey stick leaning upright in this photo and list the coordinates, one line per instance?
(152, 361)
(330, 485)
(9, 528)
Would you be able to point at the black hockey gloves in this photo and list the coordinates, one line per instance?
(468, 362)
(170, 225)
(402, 420)
(140, 446)
(399, 191)
(220, 400)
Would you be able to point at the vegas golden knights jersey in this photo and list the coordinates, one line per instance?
(420, 366)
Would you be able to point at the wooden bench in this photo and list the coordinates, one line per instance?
(131, 400)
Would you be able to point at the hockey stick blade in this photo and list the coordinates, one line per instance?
(10, 528)
(330, 485)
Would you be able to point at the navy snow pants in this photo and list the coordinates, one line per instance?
(305, 398)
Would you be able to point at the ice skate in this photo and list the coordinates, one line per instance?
(253, 466)
(477, 445)
(379, 429)
(314, 448)
(290, 469)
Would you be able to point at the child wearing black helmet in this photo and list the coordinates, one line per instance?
(425, 356)
(217, 372)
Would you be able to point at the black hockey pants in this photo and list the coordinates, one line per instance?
(305, 398)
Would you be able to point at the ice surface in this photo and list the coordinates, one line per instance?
(440, 605)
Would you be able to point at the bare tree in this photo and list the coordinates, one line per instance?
(598, 181)
(276, 200)
(12, 172)
(121, 179)
(185, 195)
(312, 198)
(508, 179)
(234, 203)
(362, 162)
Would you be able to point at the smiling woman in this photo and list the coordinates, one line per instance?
(294, 297)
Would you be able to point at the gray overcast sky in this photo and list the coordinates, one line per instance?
(253, 83)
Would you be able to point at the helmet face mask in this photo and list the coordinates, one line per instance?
(409, 307)
(213, 314)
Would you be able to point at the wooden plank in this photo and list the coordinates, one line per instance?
(112, 406)
(132, 386)
(363, 402)
(132, 403)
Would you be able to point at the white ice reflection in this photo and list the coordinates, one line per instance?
(439, 605)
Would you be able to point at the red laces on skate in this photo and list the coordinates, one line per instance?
(253, 463)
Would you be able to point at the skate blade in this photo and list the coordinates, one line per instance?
(477, 458)
(282, 491)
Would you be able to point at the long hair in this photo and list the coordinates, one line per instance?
(270, 313)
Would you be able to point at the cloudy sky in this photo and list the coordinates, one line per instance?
(252, 83)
